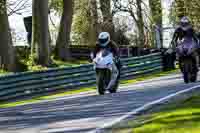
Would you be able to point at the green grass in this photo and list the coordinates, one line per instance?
(3, 72)
(69, 63)
(31, 66)
(53, 96)
(148, 76)
(181, 117)
(42, 98)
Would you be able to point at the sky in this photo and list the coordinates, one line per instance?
(16, 21)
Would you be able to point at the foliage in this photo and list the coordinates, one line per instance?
(71, 63)
(81, 22)
(3, 72)
(136, 9)
(121, 37)
(56, 5)
(31, 65)
(2, 7)
(186, 8)
(155, 19)
(156, 11)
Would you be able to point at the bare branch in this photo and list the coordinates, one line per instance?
(17, 7)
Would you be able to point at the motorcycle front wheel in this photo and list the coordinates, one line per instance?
(114, 88)
(103, 79)
(116, 85)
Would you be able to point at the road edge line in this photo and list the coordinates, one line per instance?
(102, 129)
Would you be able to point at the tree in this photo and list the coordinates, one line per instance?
(186, 8)
(156, 18)
(63, 41)
(93, 19)
(130, 7)
(40, 34)
(81, 23)
(140, 23)
(7, 56)
(56, 5)
(107, 25)
(18, 6)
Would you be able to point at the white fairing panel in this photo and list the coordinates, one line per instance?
(102, 61)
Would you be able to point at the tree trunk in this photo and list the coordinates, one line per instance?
(62, 50)
(156, 15)
(107, 25)
(140, 23)
(7, 55)
(40, 34)
(81, 23)
(94, 26)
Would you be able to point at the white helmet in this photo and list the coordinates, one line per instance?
(104, 39)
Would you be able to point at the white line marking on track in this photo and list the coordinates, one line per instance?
(135, 111)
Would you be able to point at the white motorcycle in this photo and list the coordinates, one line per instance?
(106, 71)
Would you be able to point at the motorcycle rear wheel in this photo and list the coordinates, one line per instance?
(186, 77)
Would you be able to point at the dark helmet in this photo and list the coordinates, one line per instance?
(185, 23)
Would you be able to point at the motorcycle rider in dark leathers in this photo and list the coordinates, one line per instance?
(185, 31)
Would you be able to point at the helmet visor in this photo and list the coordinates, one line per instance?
(103, 41)
(184, 24)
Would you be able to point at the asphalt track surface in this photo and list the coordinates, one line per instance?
(82, 113)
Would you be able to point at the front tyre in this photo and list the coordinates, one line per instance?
(115, 87)
(100, 83)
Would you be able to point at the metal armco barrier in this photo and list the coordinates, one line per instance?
(28, 84)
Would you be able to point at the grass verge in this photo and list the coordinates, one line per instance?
(183, 117)
(3, 72)
(67, 93)
(148, 76)
(27, 65)
(31, 66)
(47, 97)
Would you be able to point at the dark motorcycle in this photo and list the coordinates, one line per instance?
(186, 54)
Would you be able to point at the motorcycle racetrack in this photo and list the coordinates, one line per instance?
(82, 113)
